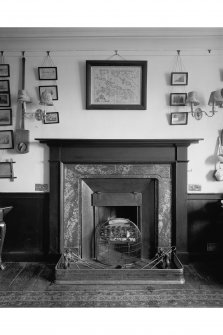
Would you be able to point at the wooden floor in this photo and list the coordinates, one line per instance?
(32, 285)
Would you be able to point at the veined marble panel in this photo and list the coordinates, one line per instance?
(72, 193)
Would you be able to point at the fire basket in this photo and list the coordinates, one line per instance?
(117, 242)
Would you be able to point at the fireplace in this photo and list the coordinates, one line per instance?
(114, 205)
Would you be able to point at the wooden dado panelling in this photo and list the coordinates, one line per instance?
(26, 226)
(205, 224)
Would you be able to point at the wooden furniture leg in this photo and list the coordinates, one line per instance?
(2, 238)
(3, 211)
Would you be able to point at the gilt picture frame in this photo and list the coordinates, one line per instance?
(5, 100)
(178, 118)
(4, 85)
(178, 99)
(179, 78)
(6, 117)
(52, 117)
(51, 88)
(47, 72)
(6, 139)
(116, 84)
(4, 70)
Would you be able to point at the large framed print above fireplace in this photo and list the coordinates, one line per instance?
(114, 206)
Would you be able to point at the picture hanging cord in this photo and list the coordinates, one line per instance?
(179, 66)
(47, 61)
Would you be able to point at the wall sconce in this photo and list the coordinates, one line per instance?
(24, 98)
(216, 99)
(46, 99)
(193, 101)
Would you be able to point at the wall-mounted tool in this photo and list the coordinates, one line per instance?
(21, 136)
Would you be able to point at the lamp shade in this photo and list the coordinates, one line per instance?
(23, 96)
(218, 97)
(211, 99)
(46, 98)
(192, 98)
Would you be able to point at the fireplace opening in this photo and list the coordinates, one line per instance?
(112, 210)
(117, 235)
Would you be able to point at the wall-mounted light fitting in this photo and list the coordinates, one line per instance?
(216, 99)
(46, 99)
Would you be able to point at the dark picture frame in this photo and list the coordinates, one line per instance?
(52, 117)
(178, 99)
(47, 73)
(4, 70)
(4, 85)
(51, 88)
(179, 78)
(5, 99)
(6, 117)
(6, 139)
(178, 118)
(116, 84)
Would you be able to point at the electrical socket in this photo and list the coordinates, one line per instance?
(194, 187)
(211, 246)
(41, 187)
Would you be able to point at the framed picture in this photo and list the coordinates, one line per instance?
(4, 85)
(53, 89)
(6, 170)
(52, 117)
(5, 117)
(179, 78)
(178, 118)
(178, 99)
(5, 100)
(6, 139)
(47, 73)
(116, 84)
(4, 70)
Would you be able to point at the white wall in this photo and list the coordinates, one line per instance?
(69, 52)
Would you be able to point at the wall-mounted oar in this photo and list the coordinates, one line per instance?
(21, 136)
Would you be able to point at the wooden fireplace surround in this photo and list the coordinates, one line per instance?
(94, 151)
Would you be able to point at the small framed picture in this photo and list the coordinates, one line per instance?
(4, 85)
(52, 117)
(52, 89)
(4, 70)
(5, 117)
(178, 99)
(179, 78)
(47, 73)
(6, 139)
(6, 170)
(5, 100)
(179, 118)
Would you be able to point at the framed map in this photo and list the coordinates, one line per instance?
(116, 84)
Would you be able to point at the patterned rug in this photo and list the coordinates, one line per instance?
(198, 291)
(107, 298)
